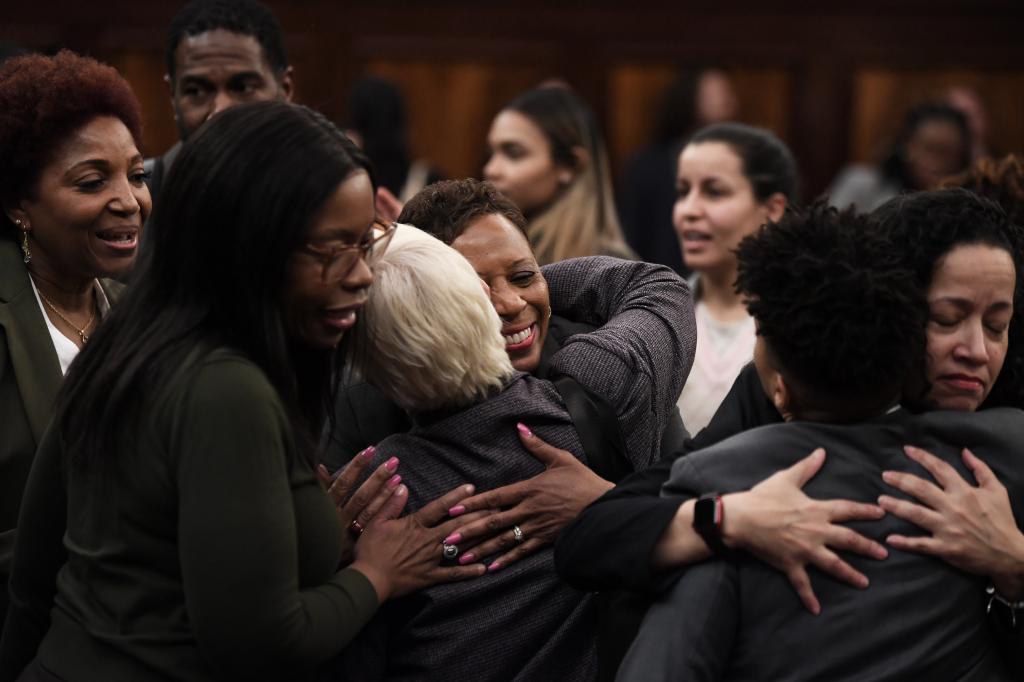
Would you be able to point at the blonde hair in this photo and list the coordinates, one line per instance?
(429, 337)
(582, 220)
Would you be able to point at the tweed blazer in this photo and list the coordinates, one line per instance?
(738, 619)
(523, 622)
(30, 377)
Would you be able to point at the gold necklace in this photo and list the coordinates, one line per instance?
(80, 331)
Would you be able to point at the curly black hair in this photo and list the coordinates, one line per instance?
(446, 208)
(836, 307)
(245, 17)
(924, 226)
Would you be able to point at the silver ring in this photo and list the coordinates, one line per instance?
(517, 534)
(449, 551)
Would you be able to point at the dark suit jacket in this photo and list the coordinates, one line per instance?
(920, 619)
(30, 377)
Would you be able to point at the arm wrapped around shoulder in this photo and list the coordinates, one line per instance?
(639, 357)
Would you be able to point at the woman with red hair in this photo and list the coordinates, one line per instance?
(74, 201)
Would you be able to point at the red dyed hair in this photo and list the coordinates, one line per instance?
(43, 100)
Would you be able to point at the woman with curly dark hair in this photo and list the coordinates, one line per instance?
(74, 202)
(969, 258)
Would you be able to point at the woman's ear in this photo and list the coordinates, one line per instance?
(18, 216)
(775, 206)
(580, 161)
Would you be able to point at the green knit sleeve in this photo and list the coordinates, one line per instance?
(244, 522)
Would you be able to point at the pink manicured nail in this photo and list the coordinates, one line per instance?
(391, 464)
(453, 539)
(457, 509)
(467, 558)
(367, 454)
(394, 480)
(496, 566)
(524, 430)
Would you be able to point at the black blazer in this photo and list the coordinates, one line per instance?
(920, 619)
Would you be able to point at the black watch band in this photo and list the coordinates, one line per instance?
(708, 514)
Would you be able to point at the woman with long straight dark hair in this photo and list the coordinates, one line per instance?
(174, 527)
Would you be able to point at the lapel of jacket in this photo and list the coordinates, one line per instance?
(36, 368)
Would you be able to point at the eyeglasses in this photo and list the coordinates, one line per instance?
(337, 262)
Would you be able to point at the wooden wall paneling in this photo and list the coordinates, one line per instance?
(144, 70)
(451, 105)
(481, 55)
(636, 91)
(634, 96)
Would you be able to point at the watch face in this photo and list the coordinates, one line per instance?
(707, 521)
(705, 512)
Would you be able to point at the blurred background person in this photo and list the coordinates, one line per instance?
(74, 202)
(219, 53)
(377, 123)
(968, 102)
(648, 191)
(547, 156)
(933, 143)
(731, 179)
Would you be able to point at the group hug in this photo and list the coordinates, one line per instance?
(263, 419)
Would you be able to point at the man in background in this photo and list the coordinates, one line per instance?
(219, 53)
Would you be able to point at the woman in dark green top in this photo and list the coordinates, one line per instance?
(173, 527)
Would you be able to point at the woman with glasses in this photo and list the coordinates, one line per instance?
(173, 527)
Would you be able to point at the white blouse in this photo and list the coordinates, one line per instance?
(723, 348)
(66, 349)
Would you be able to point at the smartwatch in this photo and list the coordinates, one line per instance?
(708, 514)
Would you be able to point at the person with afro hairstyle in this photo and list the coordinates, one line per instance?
(219, 53)
(840, 331)
(74, 202)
